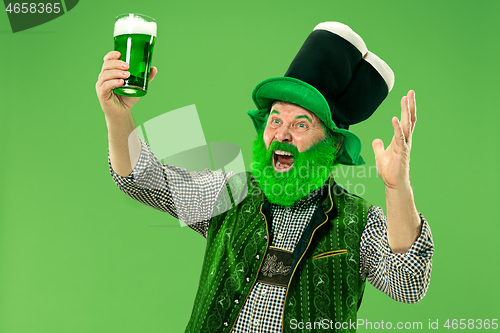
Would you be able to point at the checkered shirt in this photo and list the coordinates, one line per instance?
(191, 196)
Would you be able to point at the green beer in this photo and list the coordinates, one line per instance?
(134, 38)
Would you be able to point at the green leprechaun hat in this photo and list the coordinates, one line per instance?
(334, 76)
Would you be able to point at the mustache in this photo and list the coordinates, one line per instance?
(285, 146)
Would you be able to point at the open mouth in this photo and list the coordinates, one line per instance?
(282, 160)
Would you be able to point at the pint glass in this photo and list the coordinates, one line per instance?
(134, 38)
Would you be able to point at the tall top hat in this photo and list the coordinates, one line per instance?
(335, 77)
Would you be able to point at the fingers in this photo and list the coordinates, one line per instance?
(399, 136)
(152, 73)
(107, 86)
(405, 117)
(378, 147)
(112, 74)
(408, 115)
(112, 55)
(112, 68)
(412, 103)
(108, 80)
(114, 64)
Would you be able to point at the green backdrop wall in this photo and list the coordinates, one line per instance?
(76, 255)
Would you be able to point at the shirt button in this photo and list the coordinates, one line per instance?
(288, 209)
(226, 324)
(265, 237)
(256, 322)
(264, 291)
(257, 257)
(262, 218)
(247, 279)
(236, 302)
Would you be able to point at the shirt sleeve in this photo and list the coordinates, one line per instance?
(187, 196)
(405, 276)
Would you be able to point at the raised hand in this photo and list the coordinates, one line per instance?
(124, 148)
(393, 163)
(113, 72)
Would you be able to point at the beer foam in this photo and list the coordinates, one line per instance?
(134, 25)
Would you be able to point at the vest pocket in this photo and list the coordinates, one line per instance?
(329, 254)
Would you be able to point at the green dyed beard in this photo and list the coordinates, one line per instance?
(309, 172)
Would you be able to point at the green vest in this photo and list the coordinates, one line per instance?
(324, 286)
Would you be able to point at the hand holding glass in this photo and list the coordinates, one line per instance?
(134, 38)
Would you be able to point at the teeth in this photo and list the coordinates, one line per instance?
(281, 152)
(280, 166)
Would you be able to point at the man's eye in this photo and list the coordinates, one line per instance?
(276, 121)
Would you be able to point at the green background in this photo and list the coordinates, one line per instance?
(76, 255)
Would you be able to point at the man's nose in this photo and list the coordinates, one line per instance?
(283, 134)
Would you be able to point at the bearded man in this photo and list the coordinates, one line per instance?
(287, 248)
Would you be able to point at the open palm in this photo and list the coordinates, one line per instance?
(393, 163)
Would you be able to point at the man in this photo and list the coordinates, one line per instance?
(287, 248)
